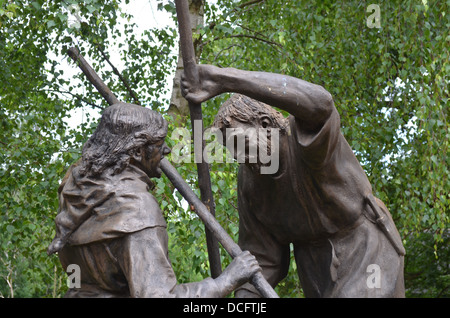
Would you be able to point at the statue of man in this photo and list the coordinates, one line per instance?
(113, 228)
(319, 199)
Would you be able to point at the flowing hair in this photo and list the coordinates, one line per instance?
(122, 129)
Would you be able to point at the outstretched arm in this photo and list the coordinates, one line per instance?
(311, 104)
(143, 257)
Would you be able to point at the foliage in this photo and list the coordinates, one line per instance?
(390, 86)
(31, 138)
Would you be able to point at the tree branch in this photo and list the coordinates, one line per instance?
(254, 37)
(124, 81)
(223, 50)
(249, 3)
(76, 96)
(250, 30)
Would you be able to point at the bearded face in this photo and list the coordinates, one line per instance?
(148, 158)
(250, 130)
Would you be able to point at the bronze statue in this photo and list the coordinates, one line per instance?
(112, 227)
(320, 200)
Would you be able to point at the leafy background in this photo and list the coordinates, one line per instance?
(390, 86)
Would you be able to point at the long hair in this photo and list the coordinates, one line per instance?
(122, 129)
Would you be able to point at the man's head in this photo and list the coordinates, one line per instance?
(243, 120)
(127, 134)
(240, 110)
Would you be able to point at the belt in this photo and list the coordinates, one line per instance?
(385, 224)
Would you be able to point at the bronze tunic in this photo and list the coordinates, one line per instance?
(113, 229)
(317, 202)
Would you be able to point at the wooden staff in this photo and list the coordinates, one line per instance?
(204, 178)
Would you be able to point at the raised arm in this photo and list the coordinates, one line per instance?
(311, 104)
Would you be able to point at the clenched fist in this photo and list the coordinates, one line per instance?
(209, 84)
(241, 269)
